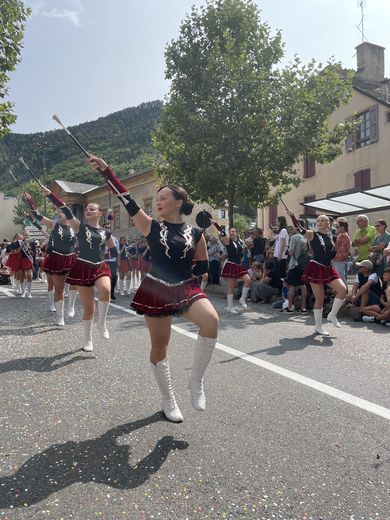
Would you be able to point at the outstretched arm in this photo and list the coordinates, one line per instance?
(37, 215)
(306, 233)
(141, 220)
(74, 223)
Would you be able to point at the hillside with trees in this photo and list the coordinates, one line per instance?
(122, 138)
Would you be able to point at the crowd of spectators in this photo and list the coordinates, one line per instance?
(276, 264)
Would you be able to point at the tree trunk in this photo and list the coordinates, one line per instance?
(231, 212)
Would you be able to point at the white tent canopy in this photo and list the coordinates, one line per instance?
(373, 199)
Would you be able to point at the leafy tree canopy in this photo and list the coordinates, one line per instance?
(13, 17)
(235, 124)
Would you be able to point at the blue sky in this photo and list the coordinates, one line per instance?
(83, 59)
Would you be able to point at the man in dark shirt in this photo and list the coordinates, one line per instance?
(270, 284)
(258, 248)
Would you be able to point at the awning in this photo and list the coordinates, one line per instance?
(350, 203)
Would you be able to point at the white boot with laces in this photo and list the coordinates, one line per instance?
(203, 353)
(168, 402)
(318, 323)
(88, 345)
(102, 316)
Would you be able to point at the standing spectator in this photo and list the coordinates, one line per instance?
(299, 258)
(215, 251)
(343, 246)
(363, 237)
(259, 243)
(281, 247)
(380, 243)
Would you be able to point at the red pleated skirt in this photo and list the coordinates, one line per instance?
(232, 270)
(145, 265)
(13, 262)
(25, 264)
(319, 273)
(134, 264)
(85, 274)
(55, 263)
(124, 266)
(154, 298)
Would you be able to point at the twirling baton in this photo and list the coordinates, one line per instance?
(16, 180)
(281, 200)
(31, 173)
(58, 120)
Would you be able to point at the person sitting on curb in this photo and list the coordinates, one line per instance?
(380, 313)
(270, 284)
(367, 287)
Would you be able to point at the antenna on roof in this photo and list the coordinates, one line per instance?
(362, 5)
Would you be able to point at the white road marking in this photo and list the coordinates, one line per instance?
(7, 292)
(368, 406)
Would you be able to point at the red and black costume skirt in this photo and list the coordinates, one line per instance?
(232, 270)
(319, 273)
(55, 263)
(25, 263)
(134, 264)
(145, 265)
(124, 266)
(156, 297)
(13, 262)
(85, 274)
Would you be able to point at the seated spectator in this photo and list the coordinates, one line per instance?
(255, 272)
(269, 285)
(380, 313)
(367, 287)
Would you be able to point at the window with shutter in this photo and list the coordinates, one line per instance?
(373, 111)
(272, 214)
(308, 210)
(362, 179)
(309, 168)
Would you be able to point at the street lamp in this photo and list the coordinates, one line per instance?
(43, 146)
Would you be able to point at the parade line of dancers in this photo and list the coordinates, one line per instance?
(176, 256)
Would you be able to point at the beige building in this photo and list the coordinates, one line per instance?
(7, 228)
(365, 161)
(143, 187)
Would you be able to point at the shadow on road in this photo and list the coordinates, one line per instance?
(98, 460)
(41, 364)
(288, 344)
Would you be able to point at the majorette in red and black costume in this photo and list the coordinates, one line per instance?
(170, 287)
(59, 256)
(21, 262)
(320, 272)
(90, 264)
(233, 267)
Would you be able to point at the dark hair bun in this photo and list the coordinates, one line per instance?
(187, 208)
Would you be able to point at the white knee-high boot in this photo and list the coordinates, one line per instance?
(102, 316)
(230, 304)
(318, 322)
(60, 312)
(28, 289)
(51, 301)
(332, 316)
(23, 290)
(244, 296)
(71, 302)
(168, 402)
(121, 283)
(87, 325)
(203, 352)
(66, 290)
(203, 284)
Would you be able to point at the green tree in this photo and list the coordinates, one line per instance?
(13, 17)
(241, 223)
(234, 124)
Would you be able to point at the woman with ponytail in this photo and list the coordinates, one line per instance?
(169, 288)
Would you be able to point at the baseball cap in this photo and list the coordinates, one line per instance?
(365, 263)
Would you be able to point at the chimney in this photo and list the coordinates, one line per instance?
(370, 62)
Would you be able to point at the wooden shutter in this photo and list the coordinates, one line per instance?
(272, 214)
(309, 168)
(308, 210)
(373, 111)
(363, 179)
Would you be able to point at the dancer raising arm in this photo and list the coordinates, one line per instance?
(59, 258)
(320, 272)
(169, 289)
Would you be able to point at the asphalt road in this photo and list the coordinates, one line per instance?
(296, 427)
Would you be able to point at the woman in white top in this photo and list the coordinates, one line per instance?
(281, 247)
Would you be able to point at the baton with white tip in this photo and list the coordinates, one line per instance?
(16, 180)
(31, 173)
(58, 120)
